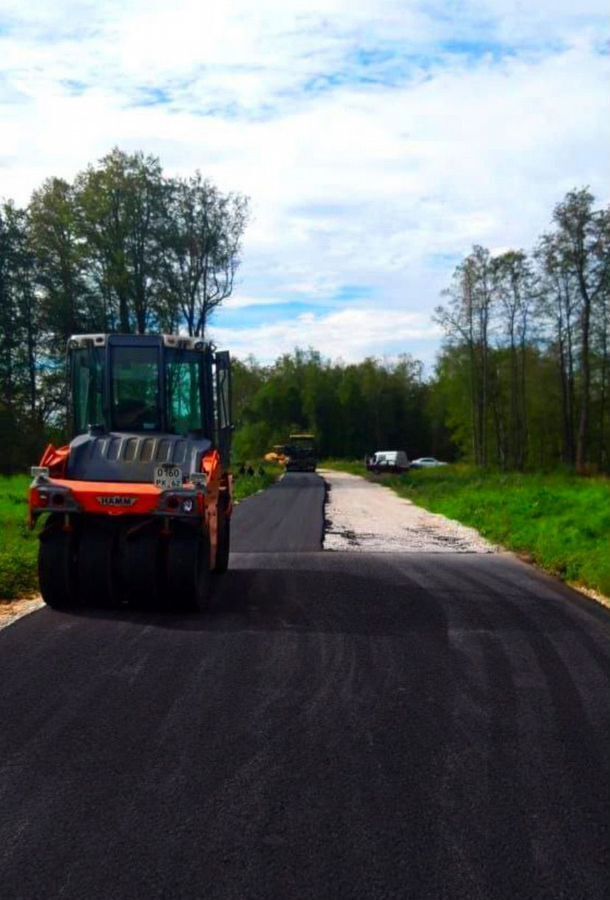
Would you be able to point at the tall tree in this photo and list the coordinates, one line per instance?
(122, 219)
(513, 287)
(558, 306)
(467, 319)
(19, 338)
(582, 242)
(202, 248)
(601, 325)
(69, 305)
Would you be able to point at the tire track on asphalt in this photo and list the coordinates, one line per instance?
(354, 725)
(569, 806)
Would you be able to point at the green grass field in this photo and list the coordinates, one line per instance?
(19, 546)
(560, 521)
(245, 485)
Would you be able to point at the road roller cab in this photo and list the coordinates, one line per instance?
(137, 507)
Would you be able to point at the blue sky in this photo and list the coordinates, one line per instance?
(378, 140)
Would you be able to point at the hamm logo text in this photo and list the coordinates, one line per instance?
(116, 501)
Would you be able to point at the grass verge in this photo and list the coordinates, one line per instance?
(19, 546)
(245, 485)
(560, 521)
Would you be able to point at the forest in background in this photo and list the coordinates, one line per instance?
(122, 248)
(521, 381)
(524, 373)
(352, 409)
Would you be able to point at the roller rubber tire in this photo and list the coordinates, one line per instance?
(98, 583)
(188, 570)
(141, 570)
(57, 568)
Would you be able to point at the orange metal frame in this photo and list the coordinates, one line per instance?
(89, 495)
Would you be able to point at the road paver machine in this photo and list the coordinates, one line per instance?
(137, 508)
(301, 454)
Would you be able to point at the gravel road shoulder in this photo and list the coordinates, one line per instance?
(364, 516)
(11, 610)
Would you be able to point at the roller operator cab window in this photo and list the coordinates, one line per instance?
(184, 387)
(87, 381)
(135, 389)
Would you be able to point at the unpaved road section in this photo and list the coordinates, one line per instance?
(364, 516)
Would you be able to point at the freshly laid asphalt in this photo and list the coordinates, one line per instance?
(338, 725)
(288, 517)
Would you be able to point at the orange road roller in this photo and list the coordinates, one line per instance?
(137, 508)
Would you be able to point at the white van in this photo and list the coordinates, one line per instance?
(388, 461)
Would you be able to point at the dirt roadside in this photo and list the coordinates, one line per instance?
(356, 506)
(10, 610)
(363, 516)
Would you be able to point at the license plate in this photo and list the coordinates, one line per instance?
(168, 477)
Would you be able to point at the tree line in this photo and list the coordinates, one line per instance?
(522, 379)
(353, 409)
(524, 376)
(121, 248)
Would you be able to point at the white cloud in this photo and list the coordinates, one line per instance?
(377, 185)
(349, 334)
(240, 301)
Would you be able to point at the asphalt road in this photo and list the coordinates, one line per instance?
(338, 726)
(288, 517)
